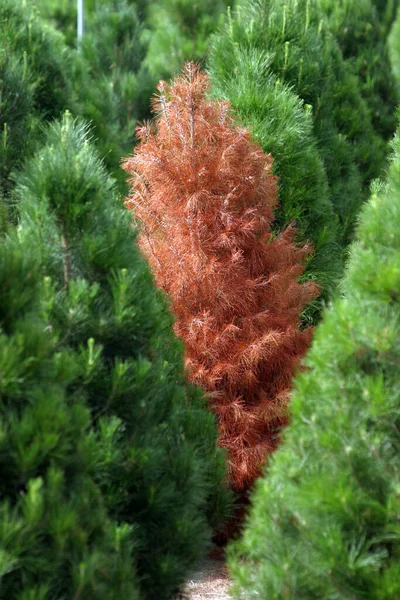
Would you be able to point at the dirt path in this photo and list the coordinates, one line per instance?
(209, 582)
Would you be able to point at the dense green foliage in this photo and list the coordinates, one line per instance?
(293, 42)
(35, 82)
(387, 10)
(16, 106)
(162, 473)
(284, 127)
(361, 30)
(45, 59)
(144, 450)
(41, 77)
(394, 50)
(127, 47)
(180, 31)
(56, 538)
(62, 14)
(325, 519)
(112, 82)
(176, 30)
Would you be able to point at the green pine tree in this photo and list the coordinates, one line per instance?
(361, 30)
(62, 14)
(42, 49)
(325, 518)
(35, 84)
(104, 82)
(164, 474)
(16, 125)
(127, 47)
(180, 31)
(56, 538)
(283, 126)
(301, 52)
(387, 12)
(111, 81)
(394, 50)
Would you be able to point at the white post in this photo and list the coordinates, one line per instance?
(80, 20)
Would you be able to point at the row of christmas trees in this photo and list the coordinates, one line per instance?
(127, 47)
(111, 480)
(112, 483)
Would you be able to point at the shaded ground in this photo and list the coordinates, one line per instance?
(209, 582)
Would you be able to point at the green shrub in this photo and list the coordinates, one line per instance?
(325, 518)
(126, 48)
(163, 473)
(103, 82)
(300, 51)
(62, 14)
(56, 538)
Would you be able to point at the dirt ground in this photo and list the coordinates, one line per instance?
(209, 582)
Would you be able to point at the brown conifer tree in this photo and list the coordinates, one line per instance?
(205, 196)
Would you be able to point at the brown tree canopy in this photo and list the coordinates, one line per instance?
(205, 196)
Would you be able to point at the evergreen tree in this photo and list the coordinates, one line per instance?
(42, 49)
(112, 83)
(127, 47)
(56, 538)
(394, 50)
(111, 86)
(283, 126)
(41, 77)
(62, 14)
(325, 518)
(162, 473)
(300, 50)
(387, 12)
(35, 85)
(16, 105)
(361, 32)
(180, 31)
(206, 196)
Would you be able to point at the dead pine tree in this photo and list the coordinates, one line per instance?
(205, 196)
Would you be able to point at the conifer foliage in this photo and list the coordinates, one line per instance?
(361, 28)
(112, 83)
(42, 49)
(159, 469)
(283, 126)
(16, 106)
(205, 196)
(56, 538)
(34, 83)
(325, 518)
(394, 50)
(180, 30)
(294, 42)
